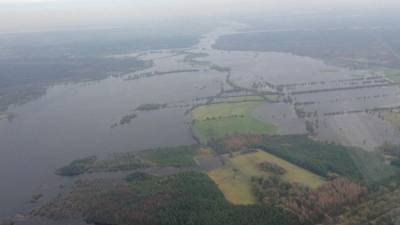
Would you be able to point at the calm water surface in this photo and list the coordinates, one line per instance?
(73, 121)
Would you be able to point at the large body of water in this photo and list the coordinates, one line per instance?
(72, 121)
(75, 120)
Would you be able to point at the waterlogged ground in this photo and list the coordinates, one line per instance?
(283, 116)
(78, 120)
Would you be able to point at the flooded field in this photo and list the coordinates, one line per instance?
(283, 116)
(76, 120)
(333, 99)
(363, 130)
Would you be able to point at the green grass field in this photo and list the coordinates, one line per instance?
(234, 177)
(177, 156)
(227, 126)
(220, 120)
(223, 110)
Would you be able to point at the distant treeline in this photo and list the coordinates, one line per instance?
(150, 107)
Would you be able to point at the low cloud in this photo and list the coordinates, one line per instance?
(23, 15)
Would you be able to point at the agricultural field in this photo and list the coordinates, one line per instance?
(223, 127)
(235, 185)
(223, 110)
(234, 178)
(220, 120)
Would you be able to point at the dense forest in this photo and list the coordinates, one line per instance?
(191, 196)
(181, 199)
(325, 159)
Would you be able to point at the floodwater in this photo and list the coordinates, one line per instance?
(283, 116)
(76, 120)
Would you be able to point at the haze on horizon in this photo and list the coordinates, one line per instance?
(37, 15)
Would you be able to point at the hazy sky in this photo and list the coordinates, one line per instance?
(30, 15)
